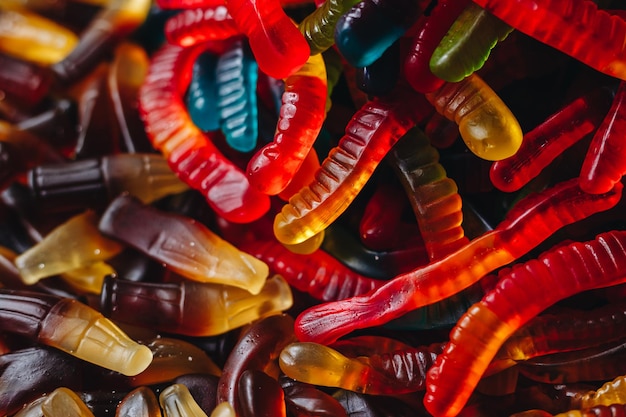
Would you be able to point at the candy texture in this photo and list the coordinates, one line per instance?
(486, 124)
(187, 247)
(74, 328)
(595, 30)
(302, 112)
(190, 153)
(525, 228)
(278, 46)
(369, 136)
(297, 208)
(74, 244)
(478, 335)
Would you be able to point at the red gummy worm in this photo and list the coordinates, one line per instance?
(382, 227)
(605, 162)
(193, 26)
(547, 141)
(528, 224)
(302, 114)
(319, 274)
(562, 331)
(431, 29)
(521, 294)
(190, 153)
(406, 368)
(575, 27)
(277, 44)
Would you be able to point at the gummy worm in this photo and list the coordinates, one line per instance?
(188, 150)
(434, 197)
(528, 224)
(371, 133)
(318, 28)
(193, 26)
(547, 141)
(610, 393)
(520, 294)
(487, 126)
(605, 162)
(388, 20)
(596, 363)
(466, 46)
(552, 333)
(382, 227)
(277, 44)
(430, 32)
(236, 75)
(575, 27)
(302, 114)
(318, 274)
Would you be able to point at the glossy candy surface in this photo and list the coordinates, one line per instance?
(467, 44)
(525, 228)
(189, 152)
(114, 22)
(34, 38)
(257, 349)
(126, 74)
(74, 328)
(141, 402)
(547, 141)
(94, 182)
(317, 273)
(272, 167)
(565, 271)
(64, 402)
(193, 26)
(191, 308)
(176, 401)
(277, 44)
(303, 399)
(365, 31)
(604, 163)
(202, 93)
(48, 368)
(598, 34)
(236, 76)
(185, 246)
(260, 394)
(22, 150)
(487, 126)
(560, 332)
(349, 205)
(430, 31)
(22, 80)
(318, 28)
(434, 197)
(369, 136)
(396, 372)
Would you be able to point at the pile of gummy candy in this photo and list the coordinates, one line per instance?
(333, 208)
